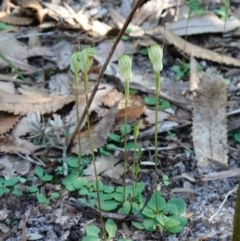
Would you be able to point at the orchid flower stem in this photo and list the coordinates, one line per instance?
(125, 138)
(76, 82)
(156, 137)
(85, 80)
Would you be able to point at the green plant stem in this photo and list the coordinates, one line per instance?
(156, 137)
(76, 82)
(236, 221)
(85, 79)
(135, 159)
(125, 139)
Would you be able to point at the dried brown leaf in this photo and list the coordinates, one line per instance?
(112, 97)
(14, 166)
(210, 122)
(10, 144)
(21, 128)
(71, 119)
(103, 164)
(33, 8)
(200, 24)
(99, 134)
(22, 105)
(196, 51)
(15, 20)
(153, 9)
(63, 51)
(7, 121)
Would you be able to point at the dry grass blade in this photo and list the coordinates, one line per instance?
(209, 122)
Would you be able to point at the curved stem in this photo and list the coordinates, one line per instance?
(85, 79)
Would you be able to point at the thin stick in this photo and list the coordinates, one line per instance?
(129, 18)
(225, 199)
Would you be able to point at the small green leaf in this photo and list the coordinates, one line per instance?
(144, 52)
(11, 181)
(125, 130)
(109, 205)
(79, 182)
(182, 220)
(148, 212)
(70, 187)
(33, 189)
(173, 226)
(17, 193)
(90, 238)
(137, 225)
(161, 201)
(125, 38)
(39, 171)
(114, 137)
(118, 197)
(126, 208)
(72, 162)
(92, 230)
(104, 151)
(4, 26)
(181, 205)
(111, 228)
(84, 191)
(41, 198)
(162, 219)
(164, 105)
(47, 178)
(150, 101)
(171, 209)
(105, 197)
(55, 195)
(69, 179)
(149, 224)
(108, 189)
(131, 145)
(236, 136)
(111, 147)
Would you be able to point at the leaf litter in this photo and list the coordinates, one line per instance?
(55, 94)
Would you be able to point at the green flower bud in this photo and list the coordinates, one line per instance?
(155, 54)
(86, 59)
(125, 65)
(74, 65)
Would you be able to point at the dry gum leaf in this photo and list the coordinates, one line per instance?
(7, 121)
(194, 50)
(22, 105)
(15, 20)
(200, 24)
(33, 8)
(210, 122)
(10, 144)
